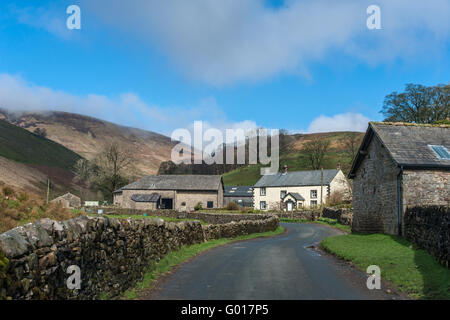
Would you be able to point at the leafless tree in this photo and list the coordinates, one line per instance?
(316, 150)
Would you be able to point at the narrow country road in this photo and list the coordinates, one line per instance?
(281, 267)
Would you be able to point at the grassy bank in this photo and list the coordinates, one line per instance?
(175, 258)
(412, 270)
(325, 221)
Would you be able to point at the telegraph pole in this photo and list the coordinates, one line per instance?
(48, 189)
(321, 188)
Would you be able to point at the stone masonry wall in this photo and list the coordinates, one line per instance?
(342, 215)
(375, 192)
(112, 254)
(428, 227)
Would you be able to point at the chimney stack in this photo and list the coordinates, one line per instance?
(339, 165)
(285, 169)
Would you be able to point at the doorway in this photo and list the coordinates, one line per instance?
(167, 203)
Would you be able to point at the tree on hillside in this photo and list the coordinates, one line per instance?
(108, 171)
(418, 104)
(316, 150)
(40, 132)
(351, 145)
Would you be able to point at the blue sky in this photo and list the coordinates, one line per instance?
(305, 66)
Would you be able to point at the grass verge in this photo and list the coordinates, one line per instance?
(411, 269)
(325, 221)
(174, 258)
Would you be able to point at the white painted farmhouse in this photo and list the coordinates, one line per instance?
(294, 190)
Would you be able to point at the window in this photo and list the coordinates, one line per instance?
(183, 204)
(441, 152)
(262, 205)
(313, 203)
(210, 204)
(262, 191)
(282, 194)
(314, 194)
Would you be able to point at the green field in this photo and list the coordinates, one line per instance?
(23, 146)
(412, 270)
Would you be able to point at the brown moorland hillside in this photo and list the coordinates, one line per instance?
(87, 136)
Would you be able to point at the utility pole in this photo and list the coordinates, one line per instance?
(321, 188)
(48, 189)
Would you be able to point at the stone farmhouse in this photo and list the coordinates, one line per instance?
(294, 190)
(241, 195)
(178, 192)
(399, 165)
(68, 200)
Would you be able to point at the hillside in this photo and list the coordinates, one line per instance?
(87, 136)
(20, 145)
(293, 155)
(28, 160)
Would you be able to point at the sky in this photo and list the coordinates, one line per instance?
(299, 65)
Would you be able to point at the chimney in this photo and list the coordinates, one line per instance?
(285, 169)
(339, 165)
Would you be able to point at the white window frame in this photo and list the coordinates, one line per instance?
(262, 192)
(311, 194)
(261, 205)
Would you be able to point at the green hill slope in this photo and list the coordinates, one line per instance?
(23, 146)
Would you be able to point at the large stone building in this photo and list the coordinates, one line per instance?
(294, 190)
(399, 165)
(179, 192)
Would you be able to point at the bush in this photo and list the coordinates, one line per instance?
(336, 198)
(198, 206)
(8, 191)
(232, 206)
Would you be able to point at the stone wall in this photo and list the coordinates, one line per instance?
(428, 227)
(375, 192)
(342, 215)
(207, 217)
(112, 254)
(311, 215)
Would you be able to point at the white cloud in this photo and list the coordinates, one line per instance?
(128, 109)
(222, 42)
(339, 122)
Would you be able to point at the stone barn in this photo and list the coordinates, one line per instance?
(399, 165)
(68, 200)
(178, 192)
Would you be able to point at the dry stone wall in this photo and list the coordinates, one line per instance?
(429, 228)
(342, 215)
(112, 254)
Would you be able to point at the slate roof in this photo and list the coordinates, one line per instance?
(408, 144)
(154, 197)
(176, 182)
(297, 178)
(238, 191)
(295, 195)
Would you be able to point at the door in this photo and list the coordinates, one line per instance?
(167, 203)
(289, 206)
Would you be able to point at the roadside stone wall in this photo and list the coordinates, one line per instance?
(207, 217)
(311, 215)
(342, 215)
(428, 227)
(112, 254)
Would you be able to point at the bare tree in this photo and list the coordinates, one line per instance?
(316, 149)
(351, 145)
(108, 171)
